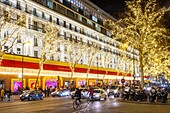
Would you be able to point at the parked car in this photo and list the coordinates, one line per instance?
(113, 90)
(98, 94)
(31, 95)
(84, 93)
(60, 93)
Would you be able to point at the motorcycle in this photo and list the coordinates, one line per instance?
(125, 95)
(152, 97)
(162, 96)
(132, 95)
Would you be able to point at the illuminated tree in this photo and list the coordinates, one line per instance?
(10, 28)
(49, 45)
(92, 53)
(73, 53)
(141, 28)
(107, 58)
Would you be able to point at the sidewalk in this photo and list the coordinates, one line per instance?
(145, 102)
(16, 97)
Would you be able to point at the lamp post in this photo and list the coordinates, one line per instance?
(22, 67)
(97, 71)
(133, 68)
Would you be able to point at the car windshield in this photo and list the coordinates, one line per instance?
(96, 91)
(113, 87)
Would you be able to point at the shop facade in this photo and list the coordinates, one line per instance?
(54, 74)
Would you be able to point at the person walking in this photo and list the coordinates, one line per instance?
(2, 93)
(90, 93)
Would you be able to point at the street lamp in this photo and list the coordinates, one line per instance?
(23, 63)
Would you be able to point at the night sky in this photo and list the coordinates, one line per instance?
(116, 7)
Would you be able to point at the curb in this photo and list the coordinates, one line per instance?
(149, 103)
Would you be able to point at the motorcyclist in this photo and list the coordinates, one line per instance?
(78, 95)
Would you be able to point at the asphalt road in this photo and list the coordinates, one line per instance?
(64, 105)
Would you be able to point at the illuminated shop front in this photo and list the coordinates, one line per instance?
(16, 85)
(32, 83)
(54, 73)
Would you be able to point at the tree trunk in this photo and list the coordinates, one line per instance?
(141, 68)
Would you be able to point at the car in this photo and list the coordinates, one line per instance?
(31, 95)
(113, 90)
(98, 94)
(60, 93)
(84, 93)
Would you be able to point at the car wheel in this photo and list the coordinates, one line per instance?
(105, 98)
(72, 97)
(22, 99)
(41, 97)
(30, 98)
(108, 95)
(99, 98)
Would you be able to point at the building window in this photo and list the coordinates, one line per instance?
(35, 53)
(51, 57)
(35, 42)
(50, 19)
(58, 22)
(19, 39)
(6, 48)
(43, 15)
(50, 4)
(34, 12)
(58, 58)
(19, 51)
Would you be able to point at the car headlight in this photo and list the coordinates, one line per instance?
(26, 95)
(108, 90)
(57, 92)
(21, 95)
(97, 95)
(115, 91)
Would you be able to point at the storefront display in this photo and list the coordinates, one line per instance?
(32, 82)
(81, 83)
(51, 83)
(16, 85)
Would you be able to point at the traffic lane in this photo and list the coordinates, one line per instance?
(64, 105)
(45, 100)
(123, 107)
(39, 105)
(52, 105)
(19, 102)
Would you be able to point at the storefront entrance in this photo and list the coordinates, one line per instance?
(2, 84)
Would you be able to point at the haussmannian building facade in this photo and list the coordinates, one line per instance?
(78, 21)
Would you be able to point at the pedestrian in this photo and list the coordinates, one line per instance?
(90, 93)
(2, 93)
